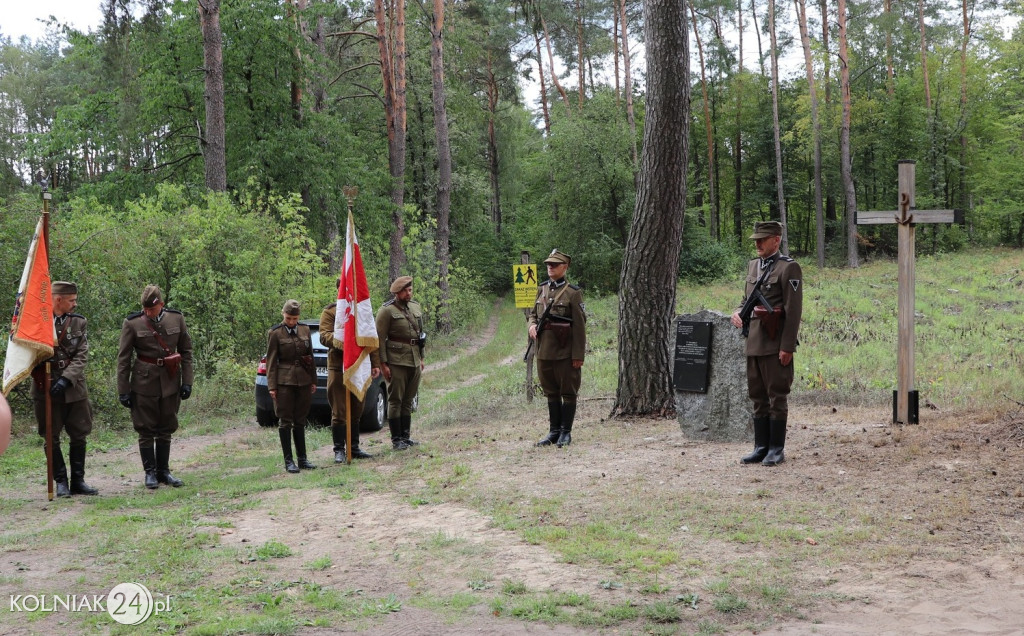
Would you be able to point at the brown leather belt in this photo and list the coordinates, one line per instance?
(408, 341)
(157, 361)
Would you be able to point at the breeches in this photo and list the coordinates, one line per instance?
(292, 404)
(768, 385)
(402, 389)
(155, 418)
(73, 417)
(558, 380)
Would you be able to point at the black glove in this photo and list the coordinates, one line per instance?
(57, 388)
(186, 391)
(126, 400)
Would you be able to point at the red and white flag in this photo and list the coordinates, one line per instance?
(32, 334)
(354, 322)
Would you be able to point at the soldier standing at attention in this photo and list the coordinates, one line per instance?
(770, 351)
(558, 322)
(336, 387)
(154, 386)
(69, 395)
(400, 330)
(291, 379)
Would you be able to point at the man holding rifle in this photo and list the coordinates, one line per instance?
(771, 310)
(558, 324)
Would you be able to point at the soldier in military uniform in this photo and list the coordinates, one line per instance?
(69, 396)
(400, 330)
(558, 322)
(158, 380)
(770, 346)
(291, 379)
(336, 387)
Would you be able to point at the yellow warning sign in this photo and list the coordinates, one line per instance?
(524, 280)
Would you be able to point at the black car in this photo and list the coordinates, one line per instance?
(375, 406)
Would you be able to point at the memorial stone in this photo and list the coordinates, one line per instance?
(722, 412)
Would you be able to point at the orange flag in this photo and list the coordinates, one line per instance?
(32, 334)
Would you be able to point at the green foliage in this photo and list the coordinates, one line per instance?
(704, 260)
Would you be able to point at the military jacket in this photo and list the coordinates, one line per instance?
(783, 288)
(336, 347)
(69, 357)
(149, 378)
(398, 326)
(284, 357)
(559, 342)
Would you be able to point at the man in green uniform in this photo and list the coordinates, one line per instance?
(291, 380)
(771, 342)
(400, 330)
(336, 387)
(558, 322)
(158, 380)
(69, 396)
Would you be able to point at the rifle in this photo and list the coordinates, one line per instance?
(754, 299)
(541, 322)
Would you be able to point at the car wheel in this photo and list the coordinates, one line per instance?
(265, 417)
(375, 409)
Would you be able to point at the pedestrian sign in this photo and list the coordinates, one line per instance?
(524, 281)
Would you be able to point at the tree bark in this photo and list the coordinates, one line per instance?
(737, 205)
(493, 165)
(551, 64)
(846, 168)
(647, 285)
(712, 199)
(444, 166)
(779, 180)
(819, 217)
(391, 44)
(628, 86)
(214, 146)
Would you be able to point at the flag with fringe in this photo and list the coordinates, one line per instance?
(354, 323)
(32, 335)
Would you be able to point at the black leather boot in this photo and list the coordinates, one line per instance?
(286, 447)
(776, 444)
(149, 464)
(568, 415)
(60, 474)
(299, 433)
(554, 424)
(338, 437)
(163, 466)
(397, 441)
(761, 439)
(77, 460)
(406, 429)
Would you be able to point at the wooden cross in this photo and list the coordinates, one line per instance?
(907, 217)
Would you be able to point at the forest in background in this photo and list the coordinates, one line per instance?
(421, 106)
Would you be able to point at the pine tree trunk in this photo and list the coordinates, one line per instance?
(846, 168)
(712, 199)
(779, 181)
(819, 218)
(444, 166)
(392, 70)
(214, 147)
(647, 286)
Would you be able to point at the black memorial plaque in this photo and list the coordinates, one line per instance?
(692, 355)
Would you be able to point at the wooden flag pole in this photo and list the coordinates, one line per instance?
(46, 380)
(350, 194)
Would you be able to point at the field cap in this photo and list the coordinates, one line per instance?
(291, 308)
(151, 296)
(765, 229)
(63, 288)
(557, 257)
(400, 283)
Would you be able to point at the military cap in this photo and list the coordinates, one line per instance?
(151, 296)
(400, 283)
(291, 308)
(558, 258)
(63, 288)
(765, 229)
